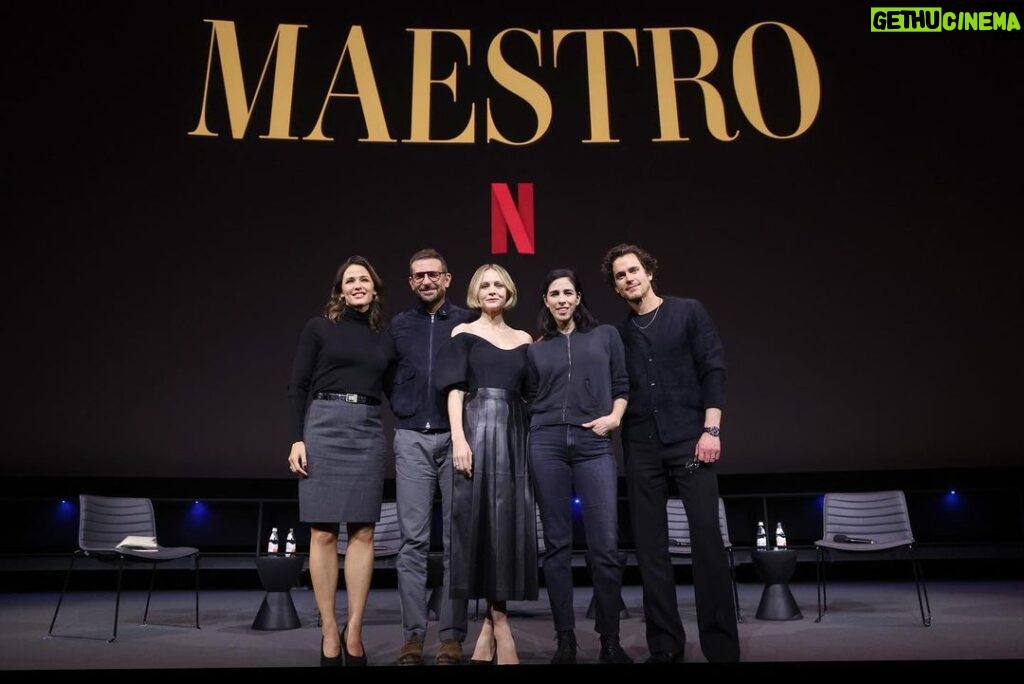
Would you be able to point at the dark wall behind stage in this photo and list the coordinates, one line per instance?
(864, 273)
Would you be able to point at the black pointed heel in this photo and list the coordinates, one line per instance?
(336, 661)
(352, 660)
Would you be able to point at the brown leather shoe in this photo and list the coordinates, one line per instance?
(450, 653)
(412, 652)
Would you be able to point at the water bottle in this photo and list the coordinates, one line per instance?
(762, 537)
(780, 537)
(289, 543)
(272, 544)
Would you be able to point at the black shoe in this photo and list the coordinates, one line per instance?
(335, 661)
(611, 651)
(351, 660)
(664, 658)
(565, 654)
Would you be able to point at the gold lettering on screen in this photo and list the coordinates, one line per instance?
(516, 62)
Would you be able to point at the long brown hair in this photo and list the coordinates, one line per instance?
(335, 306)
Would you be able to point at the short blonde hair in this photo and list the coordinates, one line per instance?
(473, 295)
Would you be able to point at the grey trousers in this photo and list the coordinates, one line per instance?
(422, 462)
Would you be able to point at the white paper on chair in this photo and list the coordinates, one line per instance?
(139, 543)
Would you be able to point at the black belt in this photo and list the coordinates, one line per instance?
(350, 397)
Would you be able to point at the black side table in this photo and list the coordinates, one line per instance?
(776, 568)
(278, 575)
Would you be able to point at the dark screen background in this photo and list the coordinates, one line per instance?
(863, 276)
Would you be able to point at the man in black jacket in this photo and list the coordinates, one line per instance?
(423, 455)
(672, 434)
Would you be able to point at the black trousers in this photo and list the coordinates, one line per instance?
(649, 468)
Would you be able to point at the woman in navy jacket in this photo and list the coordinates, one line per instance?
(577, 387)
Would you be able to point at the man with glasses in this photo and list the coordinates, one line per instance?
(423, 455)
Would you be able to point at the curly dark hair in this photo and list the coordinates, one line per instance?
(649, 263)
(581, 317)
(335, 306)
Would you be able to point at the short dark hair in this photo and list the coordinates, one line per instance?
(649, 263)
(429, 253)
(581, 317)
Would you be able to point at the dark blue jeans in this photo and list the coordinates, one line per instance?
(565, 459)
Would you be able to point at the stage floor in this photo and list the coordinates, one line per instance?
(973, 621)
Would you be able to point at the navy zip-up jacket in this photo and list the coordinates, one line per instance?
(573, 379)
(418, 336)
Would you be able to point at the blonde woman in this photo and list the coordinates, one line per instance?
(493, 539)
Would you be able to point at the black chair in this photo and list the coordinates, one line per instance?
(679, 541)
(867, 523)
(103, 523)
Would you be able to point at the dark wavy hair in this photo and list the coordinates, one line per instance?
(335, 306)
(649, 263)
(581, 317)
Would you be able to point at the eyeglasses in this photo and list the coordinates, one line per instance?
(433, 275)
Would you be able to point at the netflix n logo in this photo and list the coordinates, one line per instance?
(509, 217)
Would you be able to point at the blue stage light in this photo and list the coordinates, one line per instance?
(65, 508)
(198, 512)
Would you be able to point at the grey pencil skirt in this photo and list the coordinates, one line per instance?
(345, 461)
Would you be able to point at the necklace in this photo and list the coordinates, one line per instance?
(649, 323)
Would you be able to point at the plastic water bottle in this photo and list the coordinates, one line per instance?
(289, 543)
(762, 537)
(272, 544)
(780, 537)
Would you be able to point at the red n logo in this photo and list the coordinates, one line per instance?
(517, 219)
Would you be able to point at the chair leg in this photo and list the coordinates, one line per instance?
(117, 600)
(819, 568)
(152, 578)
(919, 582)
(195, 568)
(735, 591)
(64, 589)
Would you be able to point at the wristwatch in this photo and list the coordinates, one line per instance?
(712, 430)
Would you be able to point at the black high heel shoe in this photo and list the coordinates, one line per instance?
(353, 660)
(336, 661)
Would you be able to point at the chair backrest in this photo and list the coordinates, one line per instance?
(881, 516)
(387, 536)
(104, 521)
(679, 526)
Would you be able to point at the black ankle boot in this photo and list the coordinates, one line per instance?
(565, 653)
(611, 651)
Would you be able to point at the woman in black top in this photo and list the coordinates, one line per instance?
(577, 387)
(338, 447)
(493, 525)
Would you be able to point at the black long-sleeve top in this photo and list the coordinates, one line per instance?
(347, 356)
(575, 378)
(676, 371)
